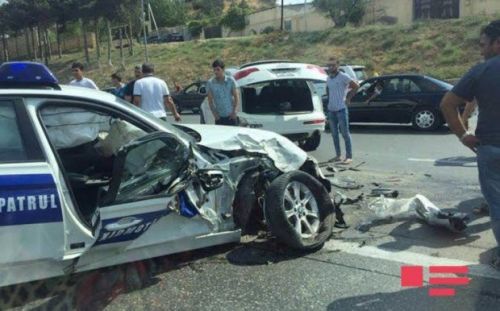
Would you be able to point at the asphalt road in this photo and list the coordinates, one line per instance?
(355, 270)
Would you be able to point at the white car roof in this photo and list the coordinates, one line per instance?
(65, 91)
(251, 74)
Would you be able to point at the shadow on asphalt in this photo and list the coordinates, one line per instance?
(483, 298)
(258, 253)
(96, 289)
(457, 161)
(397, 129)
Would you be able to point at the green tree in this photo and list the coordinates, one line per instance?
(169, 13)
(235, 16)
(343, 11)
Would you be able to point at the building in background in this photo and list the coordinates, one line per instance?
(407, 11)
(297, 18)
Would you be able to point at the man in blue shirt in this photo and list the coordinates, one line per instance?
(340, 88)
(481, 84)
(222, 95)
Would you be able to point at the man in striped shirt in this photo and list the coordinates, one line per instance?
(340, 88)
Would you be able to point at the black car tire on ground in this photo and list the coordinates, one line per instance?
(312, 143)
(286, 214)
(426, 119)
(195, 110)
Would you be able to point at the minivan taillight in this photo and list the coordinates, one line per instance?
(244, 73)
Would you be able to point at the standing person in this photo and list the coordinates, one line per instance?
(340, 88)
(119, 87)
(152, 95)
(222, 95)
(77, 70)
(481, 83)
(128, 91)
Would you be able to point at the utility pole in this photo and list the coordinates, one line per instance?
(143, 19)
(282, 20)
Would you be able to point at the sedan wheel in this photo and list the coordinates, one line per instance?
(426, 119)
(299, 211)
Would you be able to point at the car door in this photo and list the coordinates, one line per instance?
(191, 97)
(114, 201)
(31, 217)
(359, 109)
(395, 103)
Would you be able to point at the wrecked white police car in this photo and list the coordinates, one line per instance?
(88, 181)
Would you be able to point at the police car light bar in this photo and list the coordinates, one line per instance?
(27, 75)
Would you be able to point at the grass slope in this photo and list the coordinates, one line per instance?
(445, 49)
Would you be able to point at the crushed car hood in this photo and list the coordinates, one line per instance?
(286, 155)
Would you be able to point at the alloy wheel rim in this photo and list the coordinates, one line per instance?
(425, 119)
(301, 209)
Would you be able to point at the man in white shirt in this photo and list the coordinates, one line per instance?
(80, 80)
(152, 95)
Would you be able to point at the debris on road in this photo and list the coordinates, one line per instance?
(386, 192)
(349, 201)
(428, 175)
(418, 206)
(345, 183)
(481, 209)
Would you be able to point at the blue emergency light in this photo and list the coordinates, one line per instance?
(27, 75)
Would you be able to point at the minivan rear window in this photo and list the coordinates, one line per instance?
(277, 97)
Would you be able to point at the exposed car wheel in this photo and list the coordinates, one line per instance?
(299, 211)
(312, 143)
(426, 119)
(195, 110)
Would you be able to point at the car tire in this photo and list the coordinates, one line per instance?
(177, 107)
(195, 110)
(426, 119)
(312, 143)
(304, 226)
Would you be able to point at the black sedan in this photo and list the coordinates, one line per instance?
(407, 98)
(191, 97)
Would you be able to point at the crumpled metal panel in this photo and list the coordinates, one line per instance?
(285, 154)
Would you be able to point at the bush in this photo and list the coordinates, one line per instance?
(267, 30)
(195, 27)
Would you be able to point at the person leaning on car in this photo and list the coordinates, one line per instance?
(481, 84)
(222, 95)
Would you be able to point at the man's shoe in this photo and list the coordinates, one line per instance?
(347, 161)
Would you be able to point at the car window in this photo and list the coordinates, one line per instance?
(203, 90)
(277, 97)
(192, 89)
(433, 85)
(360, 74)
(364, 91)
(398, 86)
(320, 87)
(150, 167)
(11, 144)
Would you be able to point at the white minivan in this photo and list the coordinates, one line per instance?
(280, 96)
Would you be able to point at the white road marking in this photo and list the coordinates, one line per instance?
(411, 258)
(421, 160)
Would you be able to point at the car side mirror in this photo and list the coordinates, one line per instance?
(210, 179)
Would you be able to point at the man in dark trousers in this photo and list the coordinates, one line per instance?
(481, 84)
